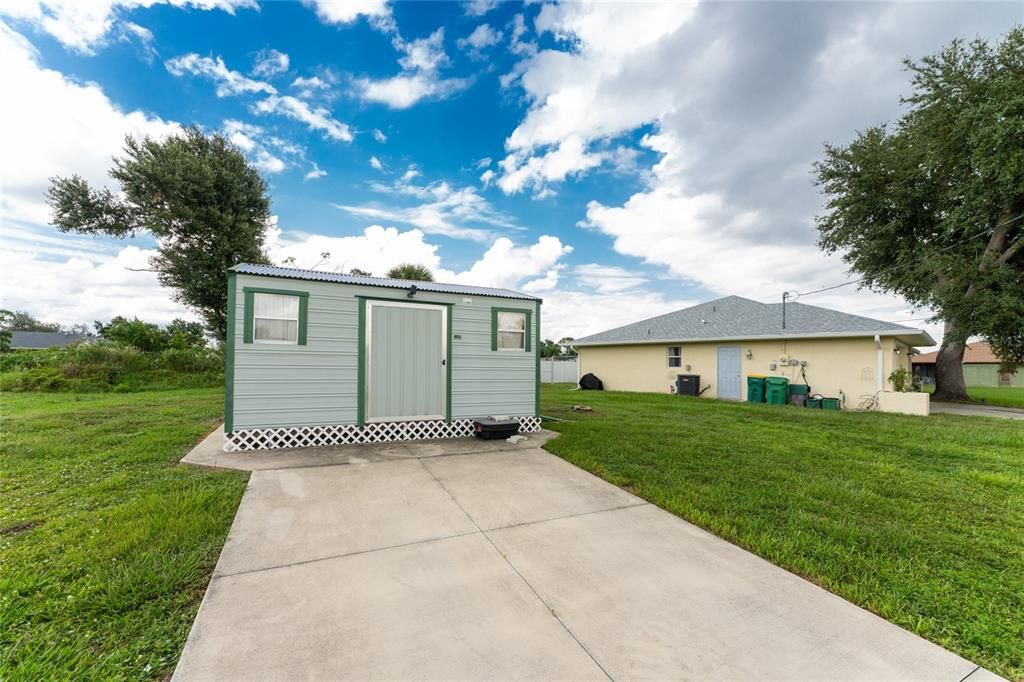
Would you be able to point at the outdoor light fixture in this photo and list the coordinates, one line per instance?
(412, 291)
(750, 354)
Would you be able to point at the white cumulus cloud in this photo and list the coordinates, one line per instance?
(483, 36)
(347, 11)
(59, 127)
(228, 82)
(270, 63)
(85, 25)
(421, 61)
(314, 117)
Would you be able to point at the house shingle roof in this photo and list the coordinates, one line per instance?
(975, 353)
(735, 317)
(44, 339)
(321, 276)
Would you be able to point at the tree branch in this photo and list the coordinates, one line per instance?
(1010, 252)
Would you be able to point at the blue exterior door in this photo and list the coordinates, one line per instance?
(729, 372)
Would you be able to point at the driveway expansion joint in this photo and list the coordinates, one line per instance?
(344, 555)
(976, 669)
(526, 582)
(559, 518)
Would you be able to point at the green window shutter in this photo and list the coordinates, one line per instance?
(249, 310)
(303, 318)
(528, 315)
(494, 329)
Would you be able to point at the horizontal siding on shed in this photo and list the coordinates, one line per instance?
(316, 384)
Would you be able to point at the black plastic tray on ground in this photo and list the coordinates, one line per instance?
(490, 428)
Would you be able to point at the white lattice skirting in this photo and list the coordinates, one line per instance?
(380, 432)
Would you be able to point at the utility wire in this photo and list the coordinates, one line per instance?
(904, 265)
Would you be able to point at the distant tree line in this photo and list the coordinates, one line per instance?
(144, 336)
(557, 349)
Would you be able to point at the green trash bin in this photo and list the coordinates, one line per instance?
(830, 403)
(799, 389)
(755, 389)
(777, 390)
(813, 402)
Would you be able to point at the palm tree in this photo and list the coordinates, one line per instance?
(412, 271)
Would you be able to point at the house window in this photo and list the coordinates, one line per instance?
(510, 329)
(275, 318)
(675, 356)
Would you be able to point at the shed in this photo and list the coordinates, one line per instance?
(321, 358)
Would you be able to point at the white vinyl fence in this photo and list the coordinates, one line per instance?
(559, 371)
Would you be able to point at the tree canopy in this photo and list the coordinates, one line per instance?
(24, 321)
(149, 337)
(411, 271)
(196, 194)
(932, 207)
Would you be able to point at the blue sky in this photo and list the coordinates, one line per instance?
(620, 160)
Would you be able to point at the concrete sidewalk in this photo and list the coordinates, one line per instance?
(512, 563)
(973, 410)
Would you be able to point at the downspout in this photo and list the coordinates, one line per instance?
(878, 364)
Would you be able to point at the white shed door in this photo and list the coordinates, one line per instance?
(405, 361)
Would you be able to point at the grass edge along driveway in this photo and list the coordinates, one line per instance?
(108, 544)
(919, 520)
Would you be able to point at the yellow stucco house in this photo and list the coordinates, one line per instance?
(839, 355)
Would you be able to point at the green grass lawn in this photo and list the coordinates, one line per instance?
(920, 520)
(1010, 396)
(106, 544)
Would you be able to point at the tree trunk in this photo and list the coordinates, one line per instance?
(949, 366)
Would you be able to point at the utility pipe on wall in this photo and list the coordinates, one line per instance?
(878, 363)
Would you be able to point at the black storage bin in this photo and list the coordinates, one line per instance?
(490, 428)
(688, 384)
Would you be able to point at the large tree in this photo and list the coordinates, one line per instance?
(932, 208)
(206, 205)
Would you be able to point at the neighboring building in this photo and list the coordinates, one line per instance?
(317, 358)
(45, 339)
(726, 340)
(981, 367)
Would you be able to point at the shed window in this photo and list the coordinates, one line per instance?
(511, 331)
(675, 356)
(275, 318)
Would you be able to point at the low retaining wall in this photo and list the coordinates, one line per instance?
(348, 434)
(918, 404)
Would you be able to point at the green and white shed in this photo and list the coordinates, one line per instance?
(320, 358)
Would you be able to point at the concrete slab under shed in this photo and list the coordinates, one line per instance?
(210, 452)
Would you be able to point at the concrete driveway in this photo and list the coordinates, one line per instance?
(974, 410)
(476, 560)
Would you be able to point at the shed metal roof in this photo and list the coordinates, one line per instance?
(386, 282)
(735, 317)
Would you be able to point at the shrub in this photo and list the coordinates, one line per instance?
(110, 366)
